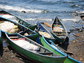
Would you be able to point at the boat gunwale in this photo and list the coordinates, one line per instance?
(35, 43)
(63, 26)
(60, 51)
(17, 18)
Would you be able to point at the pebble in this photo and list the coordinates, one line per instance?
(74, 41)
(23, 11)
(20, 58)
(81, 59)
(12, 56)
(77, 35)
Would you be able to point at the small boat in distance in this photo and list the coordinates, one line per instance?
(59, 30)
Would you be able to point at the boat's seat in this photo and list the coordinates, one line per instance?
(60, 33)
(62, 36)
(14, 37)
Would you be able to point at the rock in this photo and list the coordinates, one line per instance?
(24, 11)
(81, 59)
(77, 35)
(74, 41)
(6, 49)
(12, 56)
(82, 17)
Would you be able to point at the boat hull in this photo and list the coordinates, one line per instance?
(16, 19)
(34, 56)
(56, 50)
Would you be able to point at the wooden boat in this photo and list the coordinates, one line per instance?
(9, 16)
(57, 29)
(20, 21)
(32, 50)
(16, 28)
(32, 35)
(57, 52)
(50, 44)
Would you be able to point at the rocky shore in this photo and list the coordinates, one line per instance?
(76, 47)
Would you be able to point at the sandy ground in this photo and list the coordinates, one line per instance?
(76, 47)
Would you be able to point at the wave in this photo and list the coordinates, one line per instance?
(38, 19)
(76, 19)
(80, 12)
(52, 1)
(57, 1)
(20, 9)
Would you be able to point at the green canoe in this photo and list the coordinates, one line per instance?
(9, 16)
(57, 51)
(33, 35)
(32, 50)
(51, 44)
(48, 43)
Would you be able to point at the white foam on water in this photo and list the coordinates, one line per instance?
(9, 17)
(50, 0)
(39, 19)
(71, 19)
(20, 9)
(80, 12)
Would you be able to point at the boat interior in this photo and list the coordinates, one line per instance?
(16, 19)
(20, 28)
(4, 12)
(30, 45)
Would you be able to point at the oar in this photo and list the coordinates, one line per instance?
(47, 24)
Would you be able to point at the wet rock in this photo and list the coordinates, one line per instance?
(23, 11)
(77, 35)
(82, 17)
(77, 47)
(6, 49)
(12, 56)
(75, 6)
(74, 41)
(81, 59)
